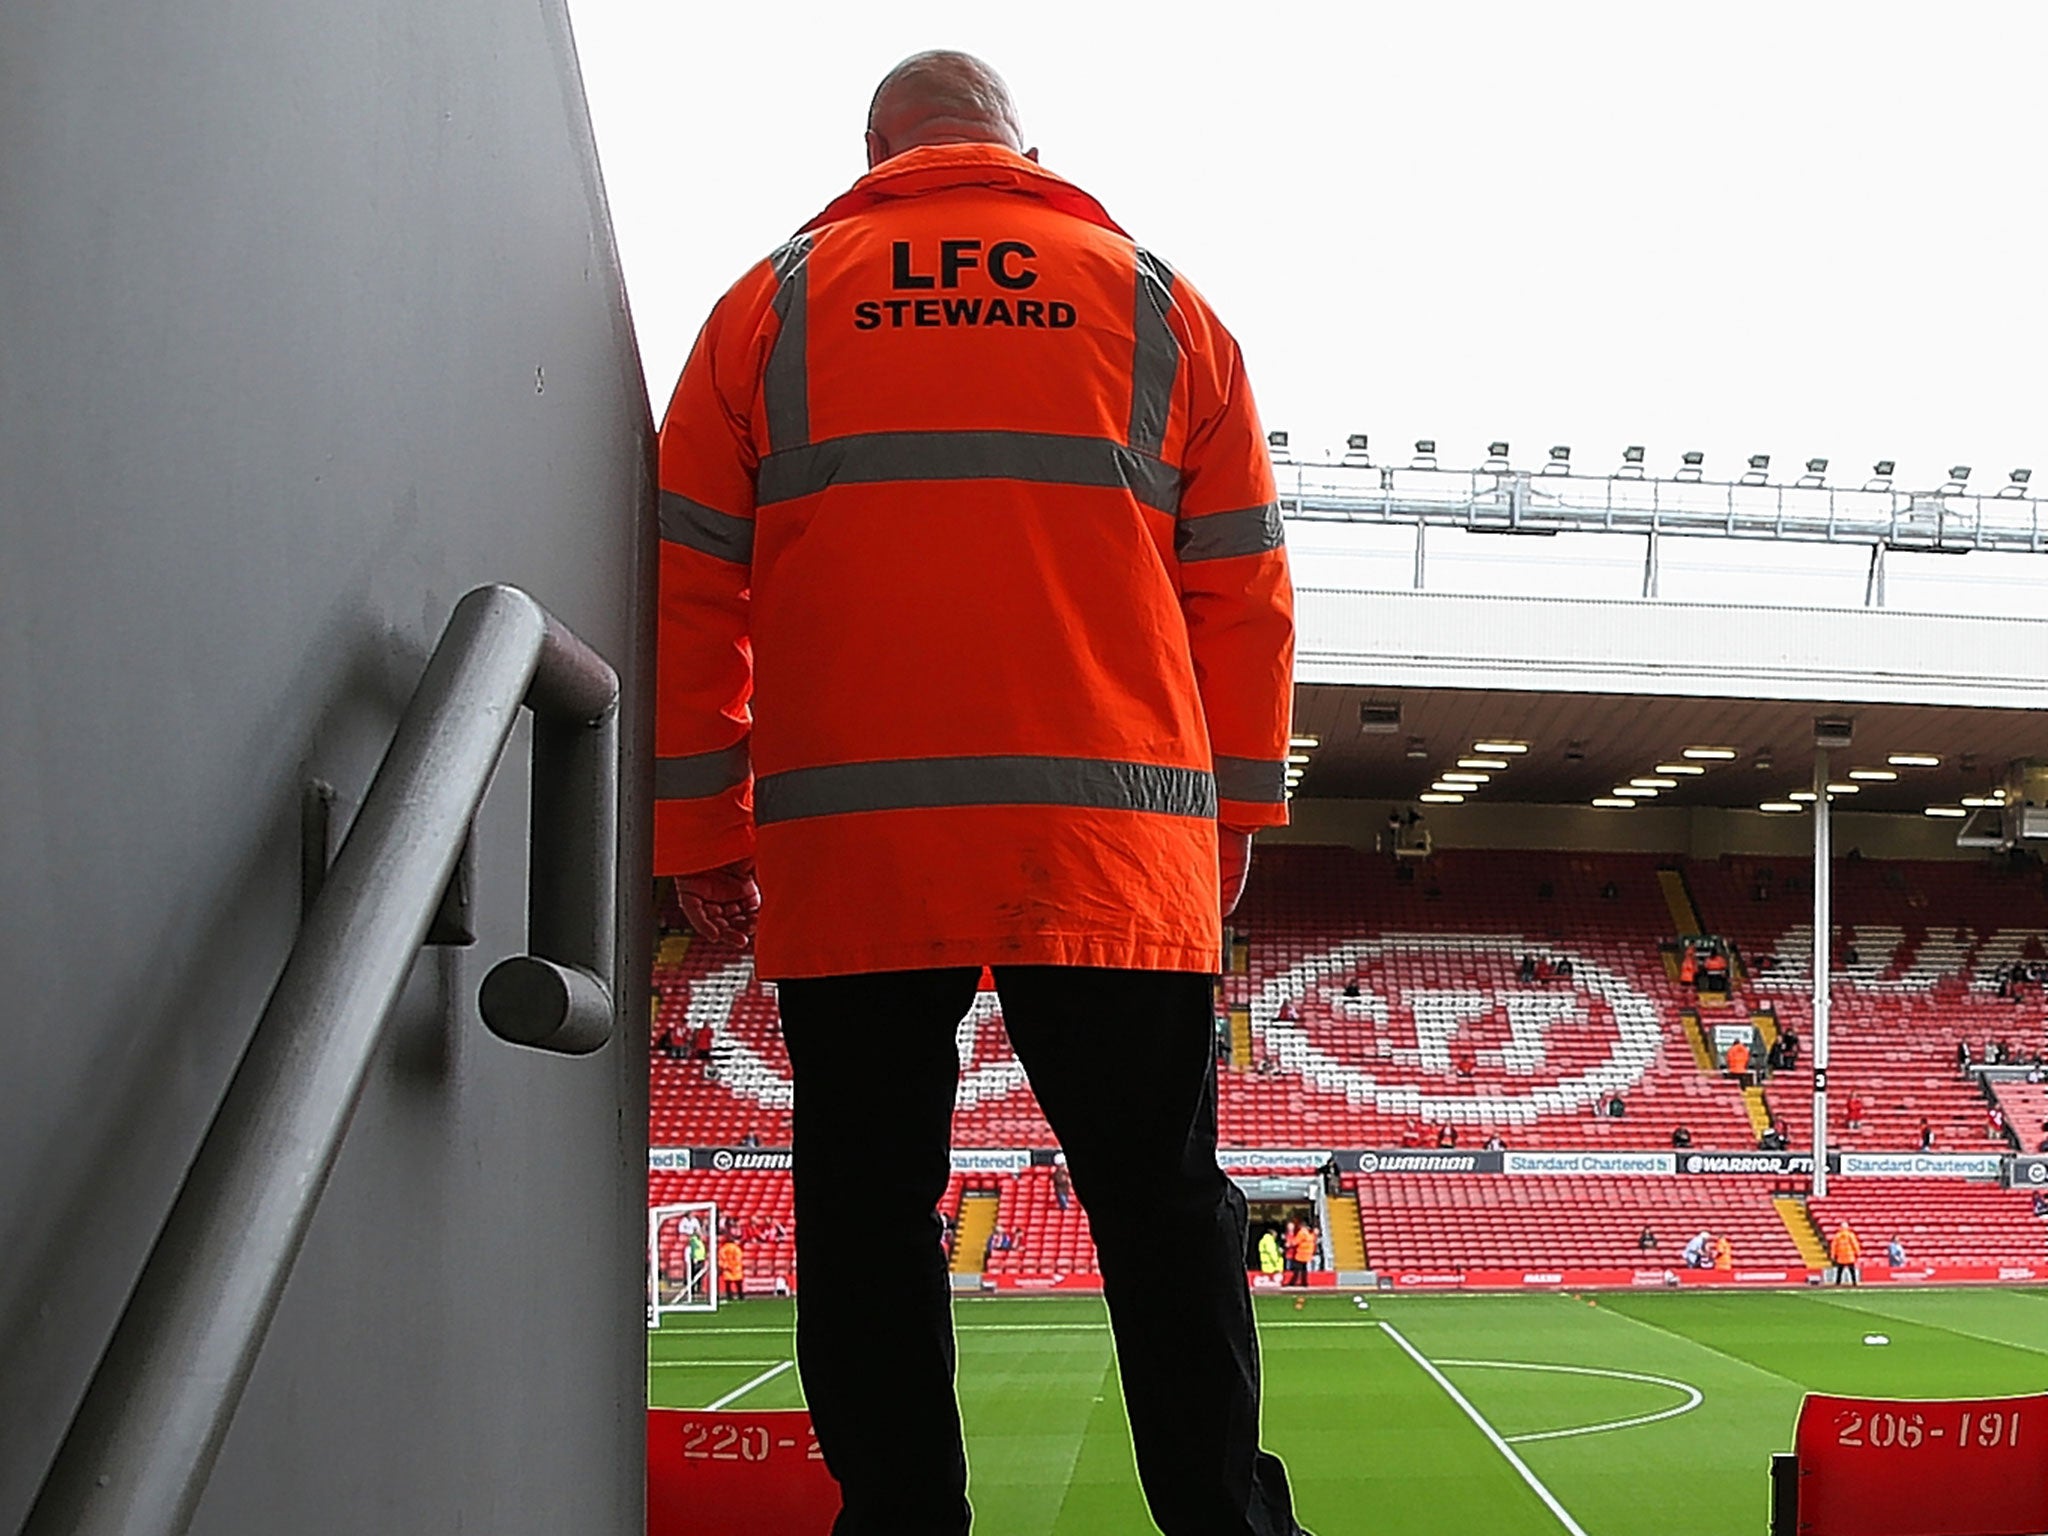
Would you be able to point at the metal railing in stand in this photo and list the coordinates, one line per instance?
(144, 1442)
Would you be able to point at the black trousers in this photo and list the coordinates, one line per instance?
(1123, 1063)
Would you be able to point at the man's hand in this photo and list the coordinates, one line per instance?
(721, 903)
(1234, 852)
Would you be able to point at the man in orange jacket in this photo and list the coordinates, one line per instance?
(976, 648)
(1845, 1253)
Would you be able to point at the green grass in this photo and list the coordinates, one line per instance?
(1376, 1445)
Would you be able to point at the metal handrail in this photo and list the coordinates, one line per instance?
(143, 1443)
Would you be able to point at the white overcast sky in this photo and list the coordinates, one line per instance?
(1787, 228)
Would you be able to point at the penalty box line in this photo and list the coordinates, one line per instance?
(1522, 1467)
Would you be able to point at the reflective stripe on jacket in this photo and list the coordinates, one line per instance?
(974, 611)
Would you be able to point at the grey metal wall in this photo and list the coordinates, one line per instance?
(310, 320)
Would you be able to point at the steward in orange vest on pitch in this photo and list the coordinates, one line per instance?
(973, 672)
(1844, 1252)
(732, 1269)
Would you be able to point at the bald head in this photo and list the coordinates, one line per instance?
(941, 97)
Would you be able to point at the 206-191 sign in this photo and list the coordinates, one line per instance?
(1985, 1429)
(1872, 1467)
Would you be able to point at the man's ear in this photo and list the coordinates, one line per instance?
(878, 149)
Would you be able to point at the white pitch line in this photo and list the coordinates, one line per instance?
(1694, 1397)
(662, 1365)
(1535, 1484)
(1096, 1327)
(766, 1376)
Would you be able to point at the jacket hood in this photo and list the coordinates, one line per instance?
(941, 167)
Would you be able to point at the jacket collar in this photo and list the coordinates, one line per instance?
(941, 167)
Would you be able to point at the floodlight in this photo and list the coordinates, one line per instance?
(1425, 454)
(1880, 476)
(1276, 439)
(1958, 480)
(1816, 474)
(1496, 450)
(1759, 468)
(1355, 443)
(1633, 454)
(1560, 461)
(1690, 465)
(2017, 484)
(1417, 748)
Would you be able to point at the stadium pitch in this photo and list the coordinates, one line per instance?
(1605, 1415)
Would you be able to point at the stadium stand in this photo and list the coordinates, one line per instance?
(1389, 1000)
(1469, 1223)
(1920, 951)
(1940, 1221)
(1436, 956)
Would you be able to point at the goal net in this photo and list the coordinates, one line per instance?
(682, 1242)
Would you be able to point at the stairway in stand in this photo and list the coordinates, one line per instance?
(1346, 1234)
(977, 1224)
(1800, 1225)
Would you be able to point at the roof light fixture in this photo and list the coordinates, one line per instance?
(1803, 796)
(1610, 803)
(1654, 783)
(1780, 807)
(2017, 484)
(1501, 748)
(1710, 754)
(1355, 444)
(1631, 463)
(1873, 775)
(1690, 465)
(1981, 802)
(1690, 769)
(1468, 778)
(1845, 789)
(1914, 760)
(1880, 476)
(1441, 798)
(1304, 743)
(1482, 762)
(1634, 792)
(1297, 757)
(1953, 812)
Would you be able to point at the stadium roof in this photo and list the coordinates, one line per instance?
(1580, 746)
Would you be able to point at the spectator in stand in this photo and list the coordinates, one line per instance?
(1495, 1144)
(1773, 1138)
(2041, 1197)
(1895, 1254)
(1844, 1252)
(1616, 1108)
(1788, 1037)
(1926, 1136)
(1610, 892)
(1715, 967)
(1412, 1134)
(1062, 1181)
(1962, 1055)
(1724, 1254)
(1525, 969)
(1563, 969)
(670, 1041)
(1270, 1261)
(1447, 1135)
(1290, 1010)
(1681, 1136)
(1646, 1241)
(700, 1043)
(1689, 967)
(732, 1270)
(1695, 1255)
(1465, 1061)
(1301, 1249)
(1994, 1123)
(1854, 1112)
(1544, 971)
(750, 1139)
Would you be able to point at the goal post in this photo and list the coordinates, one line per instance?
(682, 1242)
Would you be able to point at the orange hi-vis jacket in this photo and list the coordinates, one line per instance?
(975, 616)
(1301, 1247)
(1847, 1248)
